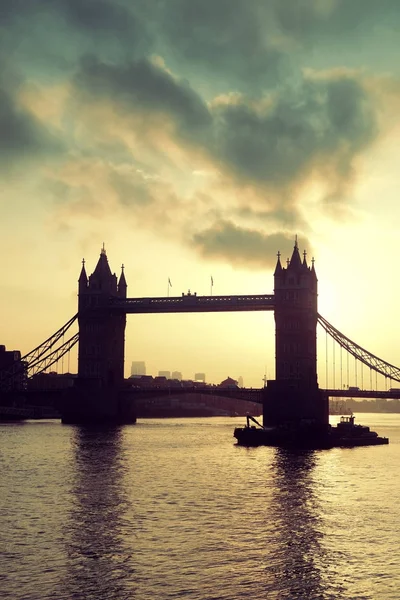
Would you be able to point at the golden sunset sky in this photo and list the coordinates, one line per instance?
(196, 138)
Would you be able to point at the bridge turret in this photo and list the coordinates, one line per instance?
(101, 327)
(83, 279)
(294, 394)
(296, 320)
(122, 286)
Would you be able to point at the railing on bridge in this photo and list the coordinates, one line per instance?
(249, 394)
(357, 393)
(194, 303)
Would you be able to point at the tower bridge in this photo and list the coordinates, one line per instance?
(100, 393)
(102, 308)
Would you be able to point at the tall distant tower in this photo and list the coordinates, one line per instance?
(294, 395)
(138, 368)
(101, 330)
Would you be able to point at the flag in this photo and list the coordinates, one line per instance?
(212, 280)
(169, 282)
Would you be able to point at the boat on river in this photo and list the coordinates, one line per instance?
(345, 434)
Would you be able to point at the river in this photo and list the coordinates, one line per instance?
(172, 508)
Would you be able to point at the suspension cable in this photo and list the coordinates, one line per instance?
(371, 360)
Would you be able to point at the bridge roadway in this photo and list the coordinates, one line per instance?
(193, 303)
(394, 395)
(250, 394)
(254, 394)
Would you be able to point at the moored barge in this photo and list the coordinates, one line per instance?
(345, 434)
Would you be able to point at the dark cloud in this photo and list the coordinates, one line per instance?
(92, 16)
(243, 247)
(229, 41)
(256, 45)
(272, 146)
(143, 86)
(320, 123)
(278, 129)
(307, 19)
(283, 215)
(22, 138)
(226, 44)
(317, 124)
(46, 38)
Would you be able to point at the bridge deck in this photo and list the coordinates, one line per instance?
(394, 394)
(193, 303)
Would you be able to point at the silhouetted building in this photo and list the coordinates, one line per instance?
(176, 375)
(228, 383)
(240, 381)
(142, 381)
(51, 381)
(200, 377)
(166, 374)
(13, 371)
(138, 368)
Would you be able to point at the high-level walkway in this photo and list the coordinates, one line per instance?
(193, 303)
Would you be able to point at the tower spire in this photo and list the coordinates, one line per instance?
(83, 279)
(314, 274)
(295, 261)
(122, 285)
(305, 259)
(278, 268)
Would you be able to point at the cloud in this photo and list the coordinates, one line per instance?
(45, 39)
(145, 87)
(227, 42)
(263, 153)
(320, 124)
(242, 247)
(156, 92)
(23, 138)
(99, 17)
(306, 19)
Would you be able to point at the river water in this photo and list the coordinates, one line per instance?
(172, 508)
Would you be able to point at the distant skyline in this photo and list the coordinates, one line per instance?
(196, 139)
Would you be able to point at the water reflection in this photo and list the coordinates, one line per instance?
(298, 560)
(99, 562)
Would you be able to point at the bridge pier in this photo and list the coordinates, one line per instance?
(294, 403)
(92, 404)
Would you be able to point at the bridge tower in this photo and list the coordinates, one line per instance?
(294, 395)
(99, 390)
